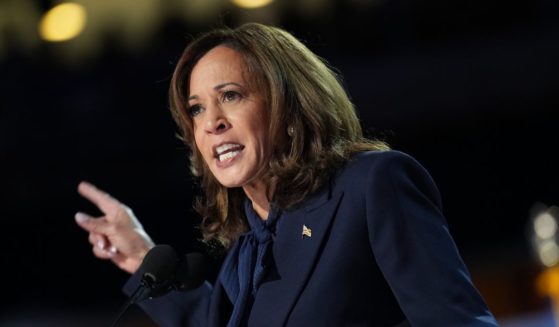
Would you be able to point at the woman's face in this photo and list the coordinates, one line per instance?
(230, 118)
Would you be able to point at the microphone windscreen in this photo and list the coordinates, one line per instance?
(159, 264)
(191, 271)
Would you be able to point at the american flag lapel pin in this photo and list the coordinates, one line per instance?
(306, 232)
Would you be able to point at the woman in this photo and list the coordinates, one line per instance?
(322, 227)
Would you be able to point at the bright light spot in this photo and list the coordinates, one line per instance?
(549, 253)
(545, 226)
(251, 4)
(63, 22)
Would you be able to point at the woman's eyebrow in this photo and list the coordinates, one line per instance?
(220, 86)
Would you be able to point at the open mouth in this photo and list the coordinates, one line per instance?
(228, 151)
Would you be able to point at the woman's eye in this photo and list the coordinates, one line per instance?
(229, 96)
(194, 110)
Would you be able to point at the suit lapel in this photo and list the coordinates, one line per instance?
(300, 234)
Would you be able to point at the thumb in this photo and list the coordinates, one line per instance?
(90, 224)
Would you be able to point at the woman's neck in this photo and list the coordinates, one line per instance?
(259, 194)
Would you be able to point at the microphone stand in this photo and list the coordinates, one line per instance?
(140, 293)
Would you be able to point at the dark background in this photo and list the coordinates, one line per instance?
(469, 88)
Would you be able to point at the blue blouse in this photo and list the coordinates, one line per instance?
(247, 263)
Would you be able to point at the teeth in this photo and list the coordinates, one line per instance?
(222, 148)
(228, 155)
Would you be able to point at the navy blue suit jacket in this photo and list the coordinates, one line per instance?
(379, 254)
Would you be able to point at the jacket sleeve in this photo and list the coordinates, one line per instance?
(175, 309)
(414, 250)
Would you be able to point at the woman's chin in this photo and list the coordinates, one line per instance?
(230, 181)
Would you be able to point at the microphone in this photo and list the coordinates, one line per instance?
(190, 272)
(163, 271)
(157, 271)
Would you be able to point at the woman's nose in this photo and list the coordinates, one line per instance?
(215, 122)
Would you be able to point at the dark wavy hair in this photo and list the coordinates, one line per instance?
(303, 95)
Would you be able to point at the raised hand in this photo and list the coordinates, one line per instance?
(118, 234)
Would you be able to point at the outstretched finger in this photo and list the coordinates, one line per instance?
(102, 200)
(92, 225)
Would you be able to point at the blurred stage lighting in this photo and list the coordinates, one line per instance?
(251, 4)
(545, 225)
(549, 253)
(544, 234)
(63, 22)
